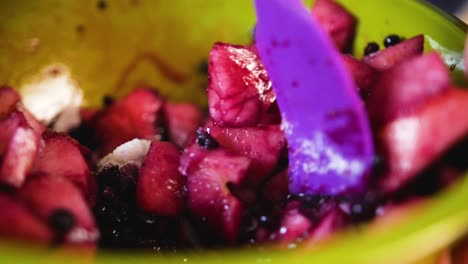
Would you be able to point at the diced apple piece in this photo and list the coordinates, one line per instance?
(262, 144)
(133, 116)
(60, 156)
(406, 87)
(337, 22)
(294, 225)
(364, 76)
(37, 126)
(47, 194)
(411, 142)
(394, 55)
(8, 100)
(131, 152)
(160, 186)
(332, 221)
(209, 198)
(239, 91)
(17, 222)
(182, 120)
(19, 144)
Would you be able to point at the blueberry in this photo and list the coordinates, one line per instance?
(62, 220)
(203, 67)
(253, 32)
(372, 47)
(391, 40)
(108, 100)
(205, 140)
(101, 4)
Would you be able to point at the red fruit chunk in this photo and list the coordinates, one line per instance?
(8, 127)
(337, 22)
(37, 126)
(18, 148)
(412, 142)
(8, 100)
(17, 222)
(459, 253)
(294, 225)
(209, 198)
(46, 194)
(364, 75)
(261, 144)
(394, 55)
(61, 156)
(160, 187)
(333, 220)
(133, 116)
(88, 114)
(182, 119)
(239, 92)
(406, 87)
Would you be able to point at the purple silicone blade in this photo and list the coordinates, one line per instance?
(324, 120)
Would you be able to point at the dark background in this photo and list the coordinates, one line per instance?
(449, 5)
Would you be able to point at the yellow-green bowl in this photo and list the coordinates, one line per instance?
(110, 48)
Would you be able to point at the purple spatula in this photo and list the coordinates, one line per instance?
(325, 123)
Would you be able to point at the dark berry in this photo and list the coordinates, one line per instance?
(365, 208)
(108, 100)
(372, 47)
(391, 40)
(252, 32)
(109, 176)
(101, 210)
(62, 221)
(108, 193)
(101, 4)
(203, 67)
(205, 140)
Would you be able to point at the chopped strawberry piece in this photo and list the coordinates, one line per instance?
(364, 75)
(133, 116)
(8, 101)
(406, 87)
(411, 142)
(88, 114)
(47, 195)
(332, 221)
(18, 222)
(60, 156)
(7, 128)
(182, 119)
(37, 126)
(18, 148)
(338, 22)
(160, 186)
(240, 91)
(294, 225)
(394, 55)
(209, 198)
(263, 145)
